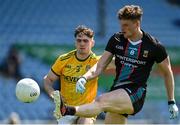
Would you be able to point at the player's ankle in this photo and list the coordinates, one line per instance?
(69, 110)
(63, 110)
(66, 110)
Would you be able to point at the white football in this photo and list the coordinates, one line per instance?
(27, 90)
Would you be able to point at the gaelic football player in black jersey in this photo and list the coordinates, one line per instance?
(135, 52)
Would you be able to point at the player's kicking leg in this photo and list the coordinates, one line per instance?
(117, 101)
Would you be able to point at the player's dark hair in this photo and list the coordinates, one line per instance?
(130, 12)
(83, 30)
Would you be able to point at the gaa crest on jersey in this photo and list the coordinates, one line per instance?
(88, 67)
(68, 66)
(145, 54)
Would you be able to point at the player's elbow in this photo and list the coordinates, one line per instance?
(100, 68)
(45, 77)
(46, 81)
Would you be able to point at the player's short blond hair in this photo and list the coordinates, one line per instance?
(83, 30)
(130, 12)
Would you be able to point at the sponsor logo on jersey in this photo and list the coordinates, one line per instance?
(71, 79)
(131, 60)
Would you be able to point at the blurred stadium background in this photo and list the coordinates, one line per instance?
(43, 29)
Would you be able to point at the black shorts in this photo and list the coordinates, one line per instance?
(137, 95)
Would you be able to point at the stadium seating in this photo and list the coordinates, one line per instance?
(46, 21)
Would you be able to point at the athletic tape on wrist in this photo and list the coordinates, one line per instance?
(83, 77)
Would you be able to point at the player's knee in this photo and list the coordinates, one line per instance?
(101, 101)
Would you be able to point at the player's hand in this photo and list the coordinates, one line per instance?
(173, 109)
(57, 102)
(80, 88)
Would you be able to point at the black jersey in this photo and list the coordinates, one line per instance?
(134, 62)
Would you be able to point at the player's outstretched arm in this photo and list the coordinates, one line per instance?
(165, 69)
(97, 69)
(94, 71)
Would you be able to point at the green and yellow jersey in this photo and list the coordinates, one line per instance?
(68, 67)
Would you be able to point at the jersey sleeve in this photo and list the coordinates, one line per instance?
(160, 53)
(110, 45)
(57, 66)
